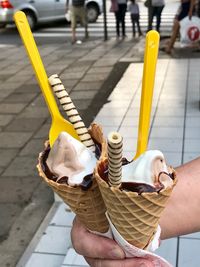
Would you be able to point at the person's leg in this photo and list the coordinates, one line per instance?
(133, 25)
(138, 26)
(159, 10)
(83, 20)
(172, 40)
(117, 23)
(73, 24)
(123, 14)
(150, 18)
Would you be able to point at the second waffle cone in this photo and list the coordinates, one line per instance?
(135, 216)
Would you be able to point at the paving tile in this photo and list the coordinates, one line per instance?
(192, 145)
(41, 260)
(73, 259)
(82, 95)
(167, 132)
(74, 75)
(22, 189)
(118, 103)
(43, 131)
(192, 133)
(190, 156)
(38, 101)
(108, 129)
(6, 155)
(167, 112)
(11, 108)
(128, 132)
(111, 111)
(130, 122)
(82, 105)
(167, 250)
(25, 125)
(55, 240)
(109, 121)
(13, 140)
(129, 144)
(169, 121)
(171, 104)
(193, 236)
(87, 86)
(35, 112)
(63, 216)
(189, 252)
(6, 93)
(22, 166)
(10, 212)
(173, 158)
(192, 122)
(134, 112)
(69, 83)
(20, 98)
(166, 145)
(100, 70)
(28, 88)
(33, 148)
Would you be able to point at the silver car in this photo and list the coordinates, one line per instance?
(38, 11)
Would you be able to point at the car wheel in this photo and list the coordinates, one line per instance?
(92, 13)
(31, 19)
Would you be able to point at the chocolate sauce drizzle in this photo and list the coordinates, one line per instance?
(87, 180)
(133, 186)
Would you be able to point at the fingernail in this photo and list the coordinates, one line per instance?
(117, 253)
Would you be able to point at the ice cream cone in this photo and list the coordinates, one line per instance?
(87, 204)
(135, 216)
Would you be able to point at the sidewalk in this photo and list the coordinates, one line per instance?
(89, 72)
(175, 128)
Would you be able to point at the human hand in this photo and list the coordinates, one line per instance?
(100, 251)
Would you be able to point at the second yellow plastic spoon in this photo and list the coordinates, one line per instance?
(150, 60)
(59, 124)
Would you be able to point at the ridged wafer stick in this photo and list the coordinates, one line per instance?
(115, 146)
(71, 111)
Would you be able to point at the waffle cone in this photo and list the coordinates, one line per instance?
(135, 216)
(87, 204)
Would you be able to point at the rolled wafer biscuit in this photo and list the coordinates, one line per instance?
(114, 158)
(71, 111)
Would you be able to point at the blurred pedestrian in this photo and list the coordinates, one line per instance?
(119, 7)
(135, 16)
(185, 9)
(78, 14)
(155, 10)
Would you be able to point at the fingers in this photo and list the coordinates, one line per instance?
(119, 263)
(94, 246)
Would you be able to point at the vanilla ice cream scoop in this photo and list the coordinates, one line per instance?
(150, 168)
(70, 158)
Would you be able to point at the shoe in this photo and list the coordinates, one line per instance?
(166, 50)
(73, 42)
(124, 36)
(78, 42)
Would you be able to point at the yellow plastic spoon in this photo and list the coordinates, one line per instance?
(150, 60)
(58, 124)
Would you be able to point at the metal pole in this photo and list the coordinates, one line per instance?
(105, 21)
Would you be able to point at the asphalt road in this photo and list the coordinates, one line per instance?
(59, 32)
